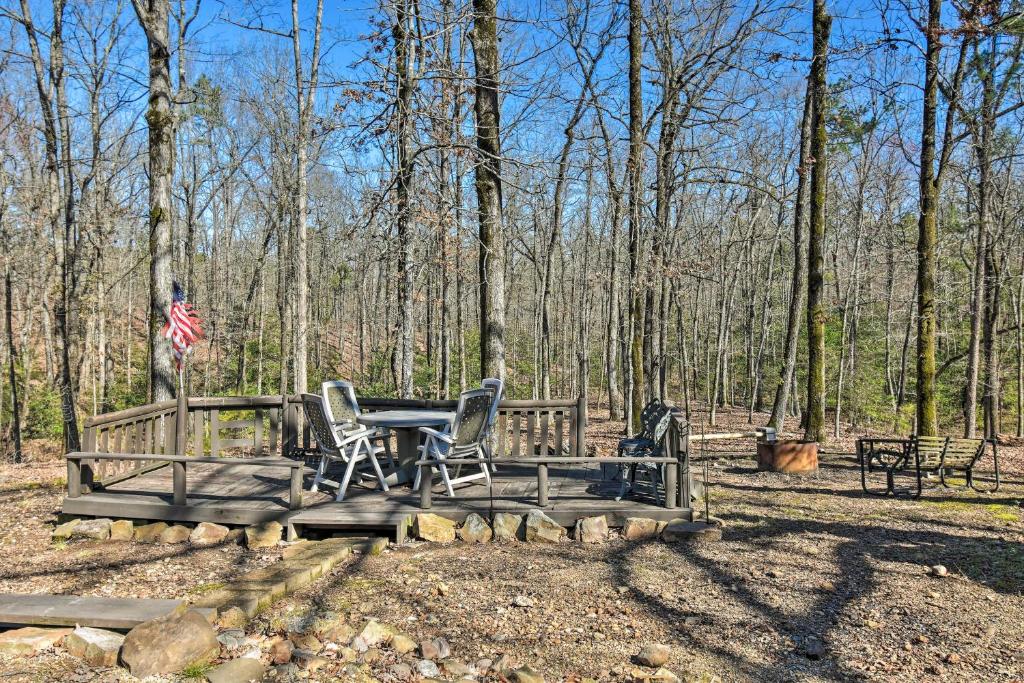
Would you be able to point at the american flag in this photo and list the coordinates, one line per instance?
(182, 327)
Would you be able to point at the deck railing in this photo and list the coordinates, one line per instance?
(255, 426)
(533, 433)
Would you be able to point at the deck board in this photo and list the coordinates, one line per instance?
(246, 495)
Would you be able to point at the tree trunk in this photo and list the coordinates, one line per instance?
(634, 172)
(927, 232)
(796, 299)
(153, 16)
(488, 189)
(305, 94)
(815, 418)
(403, 59)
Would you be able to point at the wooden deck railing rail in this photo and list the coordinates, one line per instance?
(80, 475)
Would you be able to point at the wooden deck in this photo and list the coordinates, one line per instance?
(247, 495)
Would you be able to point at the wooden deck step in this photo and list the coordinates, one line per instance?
(18, 609)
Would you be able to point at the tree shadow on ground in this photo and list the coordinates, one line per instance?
(862, 548)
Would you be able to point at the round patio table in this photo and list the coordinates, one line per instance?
(406, 425)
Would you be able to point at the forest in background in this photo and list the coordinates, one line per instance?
(594, 195)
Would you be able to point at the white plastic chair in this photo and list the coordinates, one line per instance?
(462, 446)
(351, 449)
(342, 410)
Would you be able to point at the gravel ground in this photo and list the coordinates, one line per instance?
(812, 582)
(30, 499)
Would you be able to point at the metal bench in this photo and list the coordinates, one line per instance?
(920, 456)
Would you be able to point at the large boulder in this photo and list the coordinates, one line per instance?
(639, 529)
(169, 643)
(266, 535)
(241, 670)
(508, 527)
(592, 529)
(542, 529)
(208, 533)
(475, 530)
(174, 534)
(434, 528)
(95, 646)
(150, 533)
(122, 530)
(30, 640)
(95, 529)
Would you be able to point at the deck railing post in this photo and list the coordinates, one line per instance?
(74, 478)
(581, 425)
(426, 478)
(295, 489)
(181, 424)
(542, 484)
(178, 469)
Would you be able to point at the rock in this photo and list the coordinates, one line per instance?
(525, 674)
(952, 658)
(508, 527)
(591, 529)
(662, 675)
(174, 534)
(63, 531)
(427, 669)
(122, 530)
(306, 641)
(814, 650)
(402, 644)
(149, 533)
(542, 529)
(639, 529)
(682, 530)
(95, 646)
(522, 601)
(457, 669)
(402, 672)
(475, 530)
(281, 652)
(434, 528)
(654, 655)
(308, 661)
(665, 675)
(939, 571)
(232, 617)
(266, 535)
(236, 535)
(95, 529)
(208, 533)
(375, 633)
(231, 638)
(241, 670)
(428, 650)
(169, 643)
(338, 632)
(30, 640)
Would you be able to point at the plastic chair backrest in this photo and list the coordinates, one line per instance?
(326, 438)
(498, 387)
(470, 423)
(340, 403)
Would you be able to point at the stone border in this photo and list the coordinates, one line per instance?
(537, 527)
